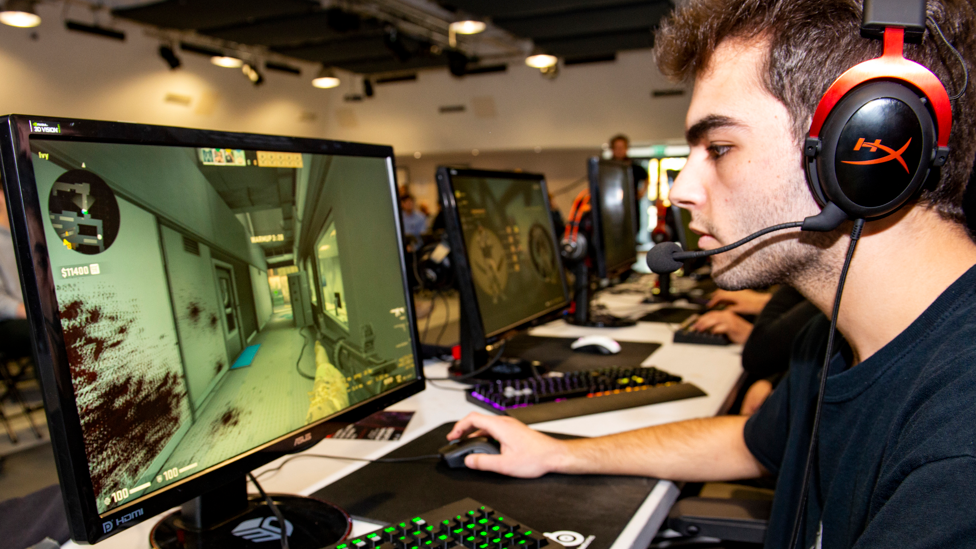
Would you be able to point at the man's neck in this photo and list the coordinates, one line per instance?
(902, 264)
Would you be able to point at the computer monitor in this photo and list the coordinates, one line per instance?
(505, 254)
(614, 208)
(609, 248)
(169, 366)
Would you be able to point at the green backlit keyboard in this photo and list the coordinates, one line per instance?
(464, 523)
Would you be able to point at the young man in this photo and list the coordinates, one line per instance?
(896, 458)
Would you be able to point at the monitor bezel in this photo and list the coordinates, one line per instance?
(27, 229)
(599, 249)
(469, 298)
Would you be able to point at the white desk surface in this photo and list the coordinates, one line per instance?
(714, 369)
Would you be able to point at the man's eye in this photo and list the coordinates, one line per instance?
(717, 151)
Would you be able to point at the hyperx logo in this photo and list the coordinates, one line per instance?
(892, 154)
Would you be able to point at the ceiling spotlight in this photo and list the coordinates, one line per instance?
(168, 55)
(326, 79)
(227, 61)
(20, 13)
(252, 74)
(469, 26)
(541, 60)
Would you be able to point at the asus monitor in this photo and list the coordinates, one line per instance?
(169, 366)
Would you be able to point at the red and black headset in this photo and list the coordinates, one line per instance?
(883, 125)
(574, 245)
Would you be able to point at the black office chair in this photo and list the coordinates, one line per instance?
(12, 373)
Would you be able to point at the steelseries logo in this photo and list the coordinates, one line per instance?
(260, 530)
(873, 147)
(109, 526)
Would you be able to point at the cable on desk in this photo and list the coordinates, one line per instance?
(274, 509)
(483, 369)
(430, 313)
(324, 456)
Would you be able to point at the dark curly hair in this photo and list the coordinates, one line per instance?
(811, 42)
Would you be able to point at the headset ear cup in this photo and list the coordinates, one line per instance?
(574, 249)
(874, 150)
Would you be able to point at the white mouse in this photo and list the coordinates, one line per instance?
(596, 344)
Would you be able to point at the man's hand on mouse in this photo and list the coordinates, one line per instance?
(724, 322)
(525, 453)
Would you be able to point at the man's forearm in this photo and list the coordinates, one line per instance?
(711, 449)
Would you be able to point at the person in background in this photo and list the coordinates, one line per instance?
(14, 329)
(768, 341)
(414, 222)
(618, 147)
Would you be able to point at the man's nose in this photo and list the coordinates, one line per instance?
(688, 192)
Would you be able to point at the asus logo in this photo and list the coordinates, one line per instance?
(303, 439)
(873, 147)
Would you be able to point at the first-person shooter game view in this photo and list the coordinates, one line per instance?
(208, 302)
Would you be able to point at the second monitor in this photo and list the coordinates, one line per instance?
(506, 256)
(601, 238)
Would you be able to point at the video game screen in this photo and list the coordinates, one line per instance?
(208, 302)
(508, 232)
(617, 215)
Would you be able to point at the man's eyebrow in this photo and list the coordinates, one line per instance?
(695, 133)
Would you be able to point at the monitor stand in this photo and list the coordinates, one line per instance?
(581, 313)
(475, 355)
(228, 518)
(664, 294)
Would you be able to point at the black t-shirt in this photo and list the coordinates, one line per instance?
(896, 461)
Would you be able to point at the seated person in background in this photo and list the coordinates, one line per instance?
(15, 339)
(414, 222)
(768, 341)
(728, 320)
(894, 455)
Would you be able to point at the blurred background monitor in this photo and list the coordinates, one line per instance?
(506, 257)
(614, 211)
(195, 313)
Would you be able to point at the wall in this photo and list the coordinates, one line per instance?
(70, 74)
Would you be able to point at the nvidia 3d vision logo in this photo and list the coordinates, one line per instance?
(44, 127)
(260, 530)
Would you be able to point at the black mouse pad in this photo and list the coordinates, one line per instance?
(554, 353)
(599, 506)
(672, 315)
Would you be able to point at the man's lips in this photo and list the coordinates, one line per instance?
(705, 240)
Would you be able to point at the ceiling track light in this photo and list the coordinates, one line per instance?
(326, 79)
(169, 56)
(20, 13)
(227, 61)
(94, 30)
(468, 26)
(541, 60)
(252, 74)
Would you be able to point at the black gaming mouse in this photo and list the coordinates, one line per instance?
(453, 454)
